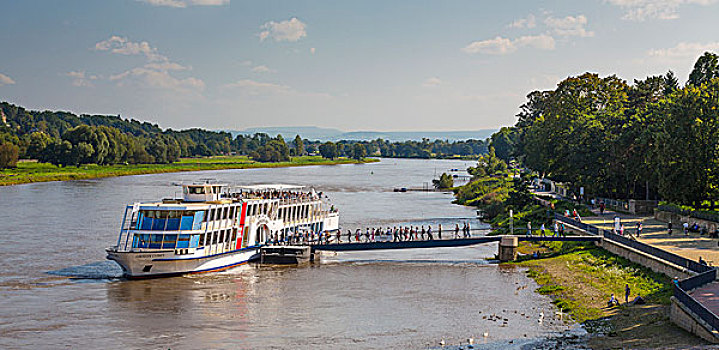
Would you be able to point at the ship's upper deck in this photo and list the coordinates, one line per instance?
(200, 194)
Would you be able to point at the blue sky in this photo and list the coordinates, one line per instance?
(362, 65)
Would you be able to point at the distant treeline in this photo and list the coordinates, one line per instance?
(64, 138)
(409, 149)
(650, 139)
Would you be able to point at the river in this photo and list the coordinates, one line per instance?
(58, 291)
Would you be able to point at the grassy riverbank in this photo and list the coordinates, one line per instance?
(580, 278)
(27, 172)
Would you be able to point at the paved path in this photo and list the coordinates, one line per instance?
(654, 232)
(708, 295)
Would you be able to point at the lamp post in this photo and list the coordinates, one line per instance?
(511, 221)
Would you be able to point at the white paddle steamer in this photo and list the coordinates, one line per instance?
(213, 227)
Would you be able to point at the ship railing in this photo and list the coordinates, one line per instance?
(124, 238)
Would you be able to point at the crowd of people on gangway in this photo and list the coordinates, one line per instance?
(389, 234)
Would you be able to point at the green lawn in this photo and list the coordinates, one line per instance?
(27, 172)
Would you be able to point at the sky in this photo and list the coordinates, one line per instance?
(353, 65)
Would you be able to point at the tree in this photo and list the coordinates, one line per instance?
(93, 137)
(671, 83)
(358, 151)
(299, 146)
(328, 150)
(504, 142)
(8, 155)
(688, 145)
(444, 182)
(705, 69)
(274, 151)
(59, 153)
(38, 143)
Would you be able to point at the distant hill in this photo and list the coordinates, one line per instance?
(289, 132)
(328, 134)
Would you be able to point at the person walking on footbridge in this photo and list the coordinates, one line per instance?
(529, 229)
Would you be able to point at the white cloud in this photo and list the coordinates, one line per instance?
(246, 63)
(527, 22)
(432, 82)
(640, 10)
(496, 46)
(290, 30)
(312, 50)
(6, 80)
(257, 88)
(166, 66)
(80, 79)
(158, 79)
(569, 26)
(121, 45)
(503, 46)
(156, 73)
(185, 3)
(684, 51)
(262, 69)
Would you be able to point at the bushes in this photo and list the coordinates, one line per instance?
(8, 155)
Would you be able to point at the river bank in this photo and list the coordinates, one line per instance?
(580, 279)
(29, 172)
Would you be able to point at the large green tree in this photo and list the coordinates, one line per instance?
(328, 150)
(705, 69)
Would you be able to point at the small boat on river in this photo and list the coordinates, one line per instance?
(213, 227)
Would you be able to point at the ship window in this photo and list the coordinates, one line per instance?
(232, 212)
(169, 242)
(225, 211)
(183, 241)
(141, 241)
(156, 241)
(234, 235)
(197, 190)
(214, 238)
(246, 237)
(222, 236)
(201, 241)
(212, 214)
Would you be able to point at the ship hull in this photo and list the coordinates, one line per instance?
(166, 263)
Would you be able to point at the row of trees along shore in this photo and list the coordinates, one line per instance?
(652, 139)
(66, 139)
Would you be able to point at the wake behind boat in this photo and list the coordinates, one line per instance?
(214, 227)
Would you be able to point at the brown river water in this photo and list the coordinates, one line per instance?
(58, 291)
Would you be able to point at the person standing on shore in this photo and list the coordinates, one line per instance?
(639, 229)
(456, 230)
(669, 227)
(429, 233)
(439, 231)
(556, 229)
(627, 291)
(541, 231)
